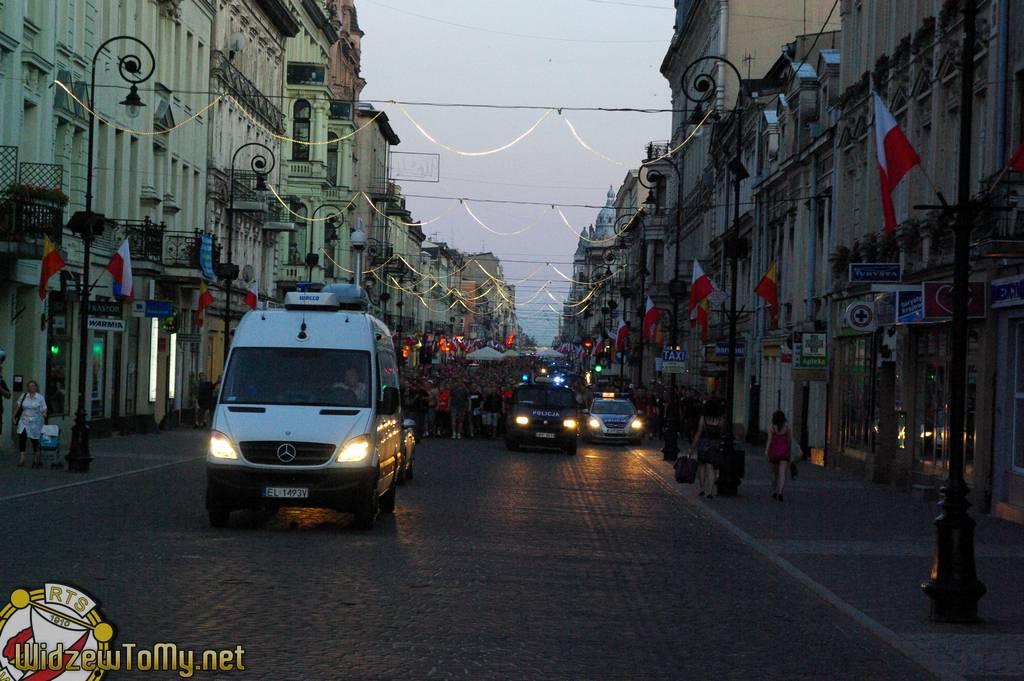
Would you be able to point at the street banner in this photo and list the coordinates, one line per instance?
(206, 256)
(938, 299)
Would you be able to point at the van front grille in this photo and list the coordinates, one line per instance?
(280, 453)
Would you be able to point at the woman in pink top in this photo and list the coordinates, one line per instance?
(780, 441)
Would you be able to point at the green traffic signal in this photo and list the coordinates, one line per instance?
(598, 368)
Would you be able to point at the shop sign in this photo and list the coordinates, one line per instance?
(722, 349)
(909, 306)
(152, 308)
(102, 324)
(875, 273)
(860, 317)
(811, 351)
(1008, 292)
(673, 360)
(105, 308)
(938, 299)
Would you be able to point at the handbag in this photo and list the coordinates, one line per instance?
(686, 470)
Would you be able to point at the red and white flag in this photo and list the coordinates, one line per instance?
(651, 317)
(700, 288)
(622, 335)
(120, 266)
(252, 296)
(895, 158)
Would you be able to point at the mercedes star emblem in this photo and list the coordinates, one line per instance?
(286, 453)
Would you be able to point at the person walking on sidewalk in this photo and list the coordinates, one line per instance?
(780, 444)
(459, 403)
(707, 443)
(29, 416)
(204, 401)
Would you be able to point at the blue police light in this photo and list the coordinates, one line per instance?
(559, 380)
(526, 378)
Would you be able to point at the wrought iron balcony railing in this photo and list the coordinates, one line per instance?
(24, 222)
(181, 249)
(145, 238)
(49, 175)
(246, 92)
(657, 149)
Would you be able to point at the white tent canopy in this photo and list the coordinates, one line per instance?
(485, 354)
(549, 352)
(510, 353)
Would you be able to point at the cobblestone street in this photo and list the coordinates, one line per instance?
(496, 565)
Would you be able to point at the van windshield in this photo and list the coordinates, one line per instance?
(298, 376)
(545, 397)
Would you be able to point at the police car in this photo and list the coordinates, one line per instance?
(543, 414)
(613, 418)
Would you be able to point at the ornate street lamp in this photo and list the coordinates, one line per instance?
(89, 225)
(700, 90)
(262, 164)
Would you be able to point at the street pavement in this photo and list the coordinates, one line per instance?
(496, 565)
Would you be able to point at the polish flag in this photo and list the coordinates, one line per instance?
(700, 288)
(1017, 160)
(120, 266)
(651, 317)
(622, 335)
(252, 296)
(895, 158)
(702, 318)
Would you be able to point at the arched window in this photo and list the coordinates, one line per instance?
(300, 130)
(332, 159)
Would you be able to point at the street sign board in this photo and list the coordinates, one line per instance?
(938, 299)
(105, 308)
(104, 324)
(722, 348)
(811, 351)
(673, 361)
(1008, 291)
(159, 308)
(875, 273)
(860, 317)
(909, 306)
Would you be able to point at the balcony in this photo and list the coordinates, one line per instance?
(246, 92)
(145, 238)
(181, 249)
(25, 221)
(657, 149)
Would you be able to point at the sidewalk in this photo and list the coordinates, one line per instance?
(113, 457)
(869, 547)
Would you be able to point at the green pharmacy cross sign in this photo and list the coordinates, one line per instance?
(811, 351)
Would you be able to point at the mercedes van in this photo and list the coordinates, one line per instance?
(308, 411)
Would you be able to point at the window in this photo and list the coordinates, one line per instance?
(298, 376)
(300, 130)
(332, 159)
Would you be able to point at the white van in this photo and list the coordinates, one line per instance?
(308, 411)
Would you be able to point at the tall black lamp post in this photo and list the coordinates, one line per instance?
(700, 90)
(89, 225)
(953, 586)
(262, 164)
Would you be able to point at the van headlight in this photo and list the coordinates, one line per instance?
(221, 447)
(522, 420)
(594, 423)
(637, 424)
(569, 423)
(356, 449)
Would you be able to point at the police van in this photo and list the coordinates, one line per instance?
(543, 413)
(308, 411)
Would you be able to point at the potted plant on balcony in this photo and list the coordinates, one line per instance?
(38, 193)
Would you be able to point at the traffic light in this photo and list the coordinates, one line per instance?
(598, 368)
(588, 344)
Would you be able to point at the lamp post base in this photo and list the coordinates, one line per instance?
(954, 589)
(78, 454)
(731, 472)
(670, 452)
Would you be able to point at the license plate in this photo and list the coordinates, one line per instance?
(548, 436)
(286, 492)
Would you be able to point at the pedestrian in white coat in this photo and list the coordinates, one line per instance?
(29, 416)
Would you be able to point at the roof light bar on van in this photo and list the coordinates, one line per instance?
(350, 296)
(308, 301)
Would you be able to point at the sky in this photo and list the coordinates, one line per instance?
(581, 53)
